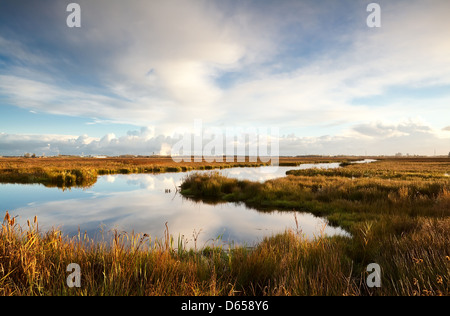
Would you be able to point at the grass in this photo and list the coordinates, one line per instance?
(34, 263)
(403, 169)
(402, 223)
(66, 172)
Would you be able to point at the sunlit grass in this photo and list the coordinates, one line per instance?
(402, 223)
(34, 263)
(66, 172)
(415, 262)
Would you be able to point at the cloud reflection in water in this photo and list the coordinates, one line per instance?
(141, 203)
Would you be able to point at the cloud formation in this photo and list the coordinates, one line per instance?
(366, 139)
(309, 68)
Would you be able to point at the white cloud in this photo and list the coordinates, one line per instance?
(159, 69)
(161, 63)
(375, 138)
(409, 51)
(379, 129)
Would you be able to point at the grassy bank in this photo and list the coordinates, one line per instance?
(66, 172)
(83, 172)
(400, 222)
(34, 263)
(415, 263)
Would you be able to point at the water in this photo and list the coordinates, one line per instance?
(142, 203)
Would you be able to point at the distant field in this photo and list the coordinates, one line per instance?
(83, 172)
(78, 171)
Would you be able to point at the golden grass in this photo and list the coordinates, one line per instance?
(82, 172)
(402, 223)
(34, 263)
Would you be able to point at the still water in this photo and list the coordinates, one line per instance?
(142, 203)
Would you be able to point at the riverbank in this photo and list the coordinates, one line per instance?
(33, 263)
(398, 213)
(83, 172)
(413, 263)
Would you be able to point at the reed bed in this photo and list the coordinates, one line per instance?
(401, 223)
(34, 263)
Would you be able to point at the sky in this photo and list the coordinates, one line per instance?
(138, 71)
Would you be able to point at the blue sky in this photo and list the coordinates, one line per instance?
(137, 71)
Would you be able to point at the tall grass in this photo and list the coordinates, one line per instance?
(34, 263)
(413, 263)
(403, 224)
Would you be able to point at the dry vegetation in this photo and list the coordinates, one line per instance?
(82, 172)
(397, 212)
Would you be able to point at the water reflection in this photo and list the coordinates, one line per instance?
(261, 174)
(142, 203)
